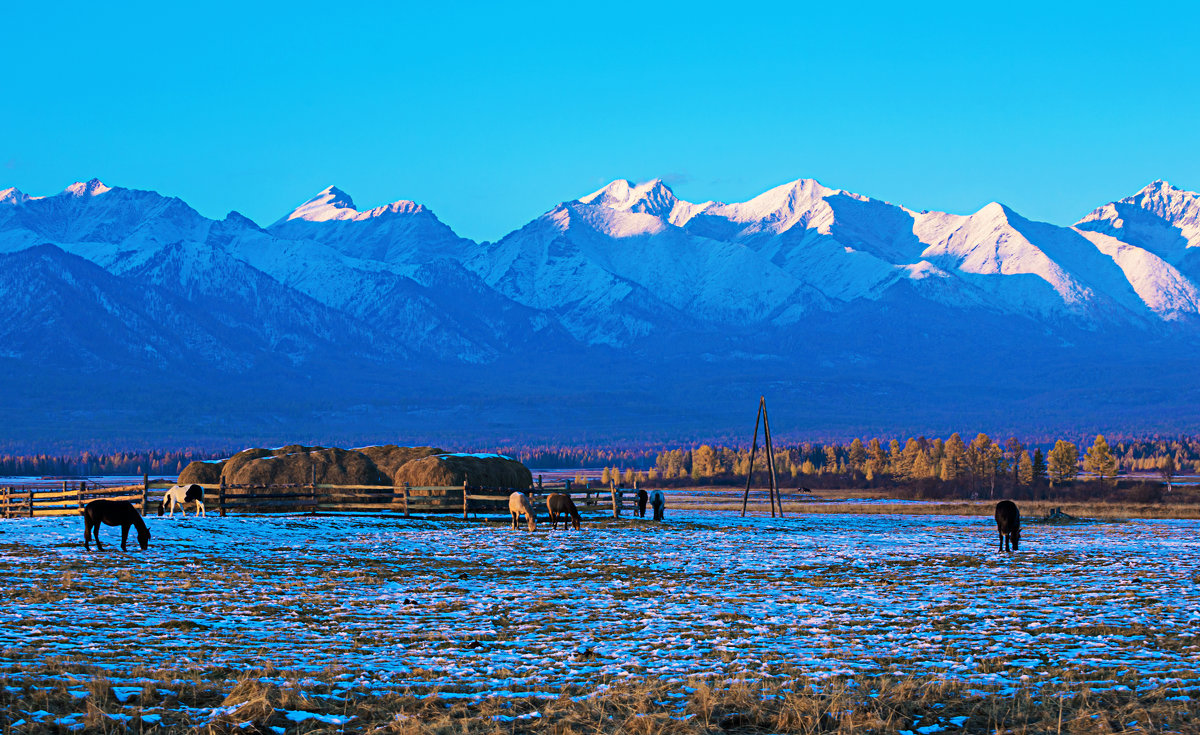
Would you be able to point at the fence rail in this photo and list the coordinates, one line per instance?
(30, 500)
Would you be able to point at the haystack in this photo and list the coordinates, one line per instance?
(293, 465)
(477, 470)
(389, 458)
(205, 473)
(235, 463)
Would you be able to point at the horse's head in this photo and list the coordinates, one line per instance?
(532, 522)
(575, 520)
(144, 538)
(1015, 538)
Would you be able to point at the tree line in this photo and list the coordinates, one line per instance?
(165, 462)
(982, 466)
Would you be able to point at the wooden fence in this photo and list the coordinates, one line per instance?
(29, 500)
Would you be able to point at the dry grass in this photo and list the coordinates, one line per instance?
(867, 502)
(783, 702)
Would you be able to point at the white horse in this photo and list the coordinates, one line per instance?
(658, 501)
(518, 503)
(180, 494)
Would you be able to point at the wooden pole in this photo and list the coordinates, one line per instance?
(145, 490)
(221, 498)
(79, 494)
(616, 508)
(406, 488)
(771, 460)
(466, 502)
(762, 403)
(31, 501)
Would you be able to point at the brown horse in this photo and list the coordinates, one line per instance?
(561, 505)
(1008, 523)
(518, 503)
(642, 498)
(113, 513)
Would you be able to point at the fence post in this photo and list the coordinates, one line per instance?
(567, 486)
(79, 494)
(466, 505)
(406, 499)
(145, 490)
(221, 498)
(31, 501)
(615, 503)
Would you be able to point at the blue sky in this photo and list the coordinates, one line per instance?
(492, 114)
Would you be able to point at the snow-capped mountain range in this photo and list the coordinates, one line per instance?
(131, 280)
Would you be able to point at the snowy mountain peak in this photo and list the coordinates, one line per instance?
(13, 196)
(333, 204)
(652, 197)
(1160, 217)
(330, 204)
(1168, 202)
(797, 202)
(87, 188)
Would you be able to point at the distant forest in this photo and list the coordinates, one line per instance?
(925, 466)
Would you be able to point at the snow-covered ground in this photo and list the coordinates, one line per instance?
(479, 608)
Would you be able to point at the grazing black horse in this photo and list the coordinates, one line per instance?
(1008, 523)
(561, 505)
(113, 513)
(642, 498)
(659, 502)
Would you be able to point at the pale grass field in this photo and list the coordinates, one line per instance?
(872, 502)
(708, 623)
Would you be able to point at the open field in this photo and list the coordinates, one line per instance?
(875, 501)
(829, 622)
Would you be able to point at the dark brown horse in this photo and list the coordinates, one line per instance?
(1008, 523)
(642, 498)
(113, 513)
(658, 501)
(559, 504)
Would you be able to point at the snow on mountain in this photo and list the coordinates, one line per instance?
(1160, 218)
(624, 263)
(401, 233)
(12, 197)
(615, 266)
(114, 227)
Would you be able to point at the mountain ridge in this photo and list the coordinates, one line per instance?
(627, 295)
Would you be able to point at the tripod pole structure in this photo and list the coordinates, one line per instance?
(775, 496)
(762, 404)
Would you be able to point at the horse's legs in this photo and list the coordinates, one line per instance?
(124, 535)
(87, 529)
(202, 511)
(514, 519)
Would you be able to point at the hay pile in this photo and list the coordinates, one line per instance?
(389, 458)
(379, 465)
(293, 465)
(205, 473)
(475, 470)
